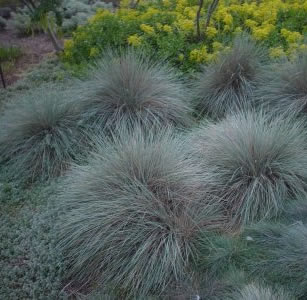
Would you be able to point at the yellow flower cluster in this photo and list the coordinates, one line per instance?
(211, 32)
(161, 23)
(101, 13)
(134, 40)
(277, 52)
(199, 55)
(291, 36)
(167, 28)
(185, 25)
(262, 32)
(94, 52)
(147, 29)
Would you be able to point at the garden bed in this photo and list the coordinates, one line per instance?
(148, 160)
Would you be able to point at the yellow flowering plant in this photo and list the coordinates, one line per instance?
(167, 28)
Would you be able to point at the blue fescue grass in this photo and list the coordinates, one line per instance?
(254, 163)
(41, 134)
(257, 292)
(129, 87)
(283, 87)
(283, 260)
(230, 81)
(132, 214)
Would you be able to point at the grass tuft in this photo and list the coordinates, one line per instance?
(132, 214)
(283, 86)
(254, 163)
(284, 262)
(256, 292)
(228, 83)
(129, 88)
(40, 135)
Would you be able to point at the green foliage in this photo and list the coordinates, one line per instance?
(132, 215)
(9, 53)
(38, 136)
(109, 30)
(22, 22)
(129, 88)
(294, 19)
(254, 163)
(46, 7)
(167, 28)
(229, 83)
(77, 12)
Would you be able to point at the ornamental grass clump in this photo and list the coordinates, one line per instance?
(131, 88)
(229, 82)
(285, 250)
(132, 215)
(255, 163)
(284, 86)
(256, 292)
(40, 135)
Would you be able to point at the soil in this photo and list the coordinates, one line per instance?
(34, 49)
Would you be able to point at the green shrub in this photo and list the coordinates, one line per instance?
(21, 21)
(284, 86)
(167, 28)
(132, 215)
(38, 135)
(228, 84)
(69, 14)
(254, 163)
(131, 88)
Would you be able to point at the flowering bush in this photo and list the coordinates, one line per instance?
(168, 28)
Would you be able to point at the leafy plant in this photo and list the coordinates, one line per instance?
(39, 136)
(132, 215)
(255, 163)
(169, 29)
(131, 88)
(228, 84)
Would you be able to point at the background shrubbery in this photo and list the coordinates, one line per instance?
(167, 28)
(68, 15)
